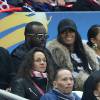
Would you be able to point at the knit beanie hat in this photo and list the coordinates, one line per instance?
(66, 24)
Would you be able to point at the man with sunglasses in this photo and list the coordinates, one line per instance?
(35, 36)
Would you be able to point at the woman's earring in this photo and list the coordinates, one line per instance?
(94, 46)
(95, 93)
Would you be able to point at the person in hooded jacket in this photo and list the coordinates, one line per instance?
(68, 50)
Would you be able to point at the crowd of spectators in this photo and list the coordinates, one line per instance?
(59, 66)
(32, 65)
(53, 5)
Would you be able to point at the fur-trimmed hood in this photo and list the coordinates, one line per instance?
(60, 54)
(62, 57)
(92, 57)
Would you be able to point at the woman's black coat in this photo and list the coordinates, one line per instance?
(24, 87)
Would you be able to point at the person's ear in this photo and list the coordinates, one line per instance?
(94, 43)
(95, 93)
(93, 40)
(54, 84)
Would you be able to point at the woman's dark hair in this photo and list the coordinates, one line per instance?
(28, 27)
(27, 64)
(78, 47)
(92, 33)
(90, 85)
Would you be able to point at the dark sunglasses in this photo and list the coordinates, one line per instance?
(39, 35)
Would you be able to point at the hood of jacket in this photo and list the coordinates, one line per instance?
(60, 54)
(92, 57)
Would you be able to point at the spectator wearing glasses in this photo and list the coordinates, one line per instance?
(35, 36)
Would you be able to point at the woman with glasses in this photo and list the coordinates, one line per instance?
(34, 76)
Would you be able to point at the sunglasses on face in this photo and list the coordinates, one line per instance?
(39, 35)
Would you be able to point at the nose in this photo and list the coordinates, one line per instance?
(42, 61)
(69, 82)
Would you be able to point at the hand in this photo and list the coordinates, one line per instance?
(60, 2)
(8, 89)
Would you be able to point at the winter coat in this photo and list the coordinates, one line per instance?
(24, 87)
(61, 55)
(62, 58)
(5, 68)
(51, 95)
(18, 55)
(92, 57)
